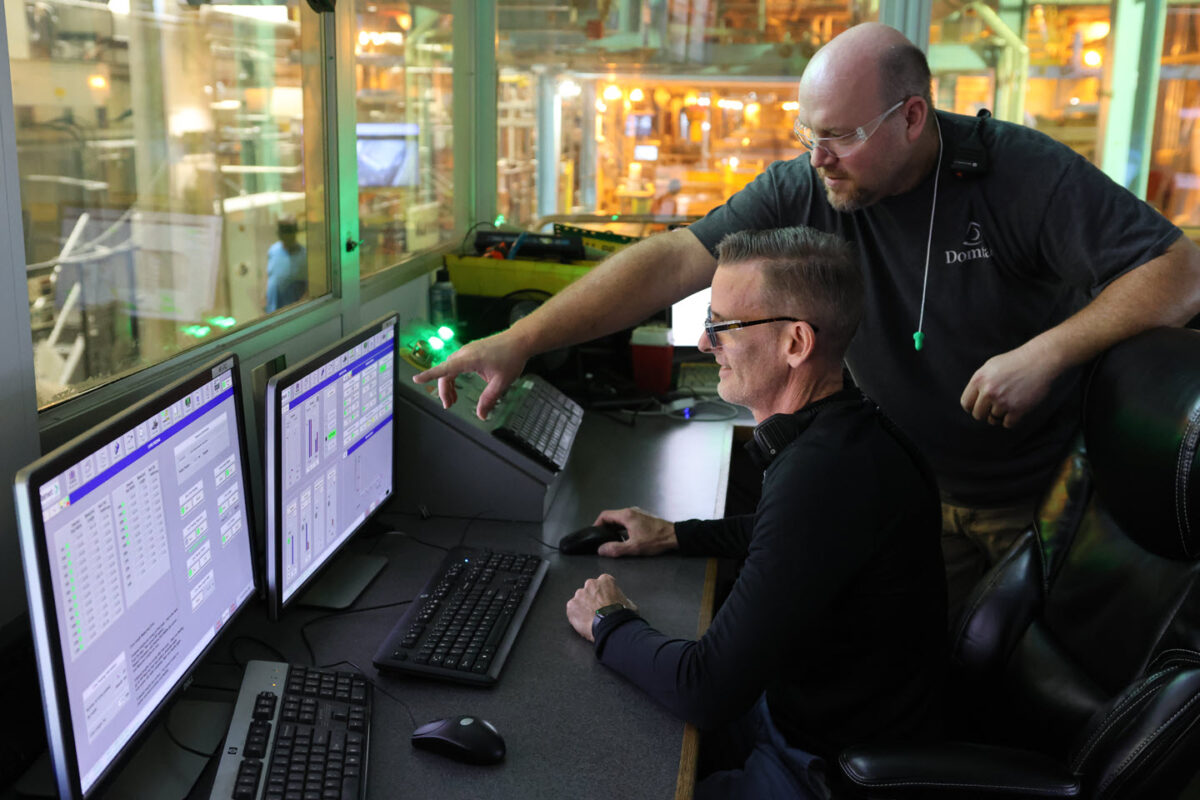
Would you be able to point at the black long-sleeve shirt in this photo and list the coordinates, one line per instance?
(839, 612)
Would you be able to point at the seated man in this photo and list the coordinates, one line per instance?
(834, 631)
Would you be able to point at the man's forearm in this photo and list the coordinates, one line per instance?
(622, 291)
(1162, 292)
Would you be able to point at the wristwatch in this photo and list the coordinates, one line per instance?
(604, 611)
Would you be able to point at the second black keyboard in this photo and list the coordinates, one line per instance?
(313, 723)
(462, 626)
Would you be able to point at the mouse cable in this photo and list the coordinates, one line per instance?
(378, 688)
(410, 537)
(426, 514)
(265, 645)
(312, 656)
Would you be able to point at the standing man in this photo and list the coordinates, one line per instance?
(833, 632)
(287, 267)
(998, 263)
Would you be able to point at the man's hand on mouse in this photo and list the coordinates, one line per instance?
(596, 593)
(496, 359)
(648, 535)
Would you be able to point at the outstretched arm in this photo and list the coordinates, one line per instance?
(1163, 291)
(623, 291)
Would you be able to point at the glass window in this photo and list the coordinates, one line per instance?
(1174, 181)
(977, 62)
(170, 190)
(653, 108)
(405, 142)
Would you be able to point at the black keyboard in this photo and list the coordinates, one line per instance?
(540, 421)
(314, 723)
(463, 624)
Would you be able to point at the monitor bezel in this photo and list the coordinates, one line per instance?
(273, 447)
(32, 533)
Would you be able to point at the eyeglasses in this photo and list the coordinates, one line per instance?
(847, 143)
(714, 328)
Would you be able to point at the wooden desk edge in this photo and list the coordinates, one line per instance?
(685, 781)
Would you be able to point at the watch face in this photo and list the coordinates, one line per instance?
(608, 609)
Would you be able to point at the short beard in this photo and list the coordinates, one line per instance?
(858, 198)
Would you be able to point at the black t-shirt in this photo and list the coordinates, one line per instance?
(1015, 251)
(839, 612)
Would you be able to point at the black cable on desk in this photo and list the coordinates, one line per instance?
(312, 656)
(167, 729)
(265, 645)
(425, 514)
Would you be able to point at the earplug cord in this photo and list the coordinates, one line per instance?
(919, 336)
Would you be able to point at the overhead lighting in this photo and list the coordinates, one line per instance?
(1096, 30)
(569, 88)
(637, 95)
(612, 92)
(791, 105)
(1092, 58)
(97, 82)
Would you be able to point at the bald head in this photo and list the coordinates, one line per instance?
(868, 60)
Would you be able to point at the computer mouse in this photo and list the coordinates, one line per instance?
(463, 738)
(586, 541)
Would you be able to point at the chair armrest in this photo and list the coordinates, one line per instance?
(955, 769)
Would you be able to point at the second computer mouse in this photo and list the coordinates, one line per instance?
(463, 738)
(586, 541)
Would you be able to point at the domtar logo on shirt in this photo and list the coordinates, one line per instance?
(976, 249)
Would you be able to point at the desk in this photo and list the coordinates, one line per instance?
(573, 728)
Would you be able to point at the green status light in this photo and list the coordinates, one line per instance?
(197, 331)
(436, 344)
(499, 221)
(445, 333)
(222, 322)
(615, 217)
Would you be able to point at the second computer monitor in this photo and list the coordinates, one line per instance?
(329, 460)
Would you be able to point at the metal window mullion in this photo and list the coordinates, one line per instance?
(475, 112)
(339, 109)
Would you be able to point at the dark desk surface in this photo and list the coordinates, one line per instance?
(572, 728)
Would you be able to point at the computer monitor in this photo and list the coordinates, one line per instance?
(137, 551)
(687, 317)
(329, 464)
(387, 154)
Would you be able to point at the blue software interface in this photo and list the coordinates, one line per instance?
(148, 544)
(335, 426)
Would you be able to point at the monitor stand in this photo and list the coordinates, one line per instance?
(343, 581)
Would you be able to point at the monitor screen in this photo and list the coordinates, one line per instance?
(645, 152)
(329, 453)
(387, 154)
(687, 317)
(137, 551)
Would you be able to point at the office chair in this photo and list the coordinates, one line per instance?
(1076, 667)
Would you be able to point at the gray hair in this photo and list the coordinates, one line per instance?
(807, 274)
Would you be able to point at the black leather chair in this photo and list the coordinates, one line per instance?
(1076, 668)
